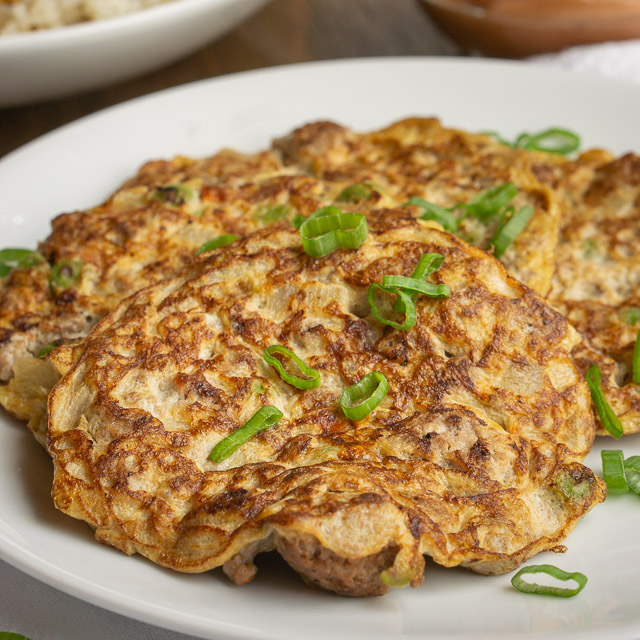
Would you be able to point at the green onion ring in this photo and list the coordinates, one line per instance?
(312, 379)
(553, 141)
(554, 572)
(360, 399)
(357, 191)
(297, 220)
(404, 304)
(630, 315)
(635, 376)
(489, 202)
(65, 273)
(47, 348)
(436, 213)
(632, 473)
(607, 417)
(323, 233)
(416, 286)
(428, 264)
(507, 233)
(262, 419)
(216, 243)
(18, 259)
(613, 471)
(9, 635)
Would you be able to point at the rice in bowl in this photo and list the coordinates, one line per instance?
(17, 16)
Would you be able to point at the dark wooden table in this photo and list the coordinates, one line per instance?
(285, 31)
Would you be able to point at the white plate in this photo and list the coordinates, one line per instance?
(52, 63)
(80, 164)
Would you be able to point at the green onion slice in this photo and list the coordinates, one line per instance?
(490, 201)
(562, 592)
(9, 635)
(416, 286)
(404, 305)
(630, 315)
(216, 243)
(635, 376)
(48, 348)
(175, 194)
(497, 137)
(298, 220)
(613, 471)
(360, 399)
(632, 473)
(324, 231)
(507, 232)
(551, 140)
(269, 215)
(65, 273)
(436, 213)
(311, 378)
(358, 191)
(428, 264)
(608, 418)
(262, 419)
(18, 259)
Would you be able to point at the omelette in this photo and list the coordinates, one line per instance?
(471, 456)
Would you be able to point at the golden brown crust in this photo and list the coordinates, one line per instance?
(472, 458)
(597, 281)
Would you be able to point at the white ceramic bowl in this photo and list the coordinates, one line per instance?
(52, 63)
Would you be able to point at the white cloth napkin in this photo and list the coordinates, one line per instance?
(613, 59)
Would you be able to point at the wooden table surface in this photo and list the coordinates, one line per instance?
(284, 31)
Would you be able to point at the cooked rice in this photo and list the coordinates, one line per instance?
(17, 16)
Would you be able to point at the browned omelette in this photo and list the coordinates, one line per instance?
(473, 457)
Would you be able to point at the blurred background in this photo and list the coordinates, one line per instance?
(276, 32)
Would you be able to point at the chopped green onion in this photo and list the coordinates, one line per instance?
(635, 376)
(360, 399)
(175, 194)
(552, 140)
(607, 417)
(497, 137)
(392, 581)
(554, 572)
(324, 231)
(436, 213)
(429, 263)
(48, 348)
(416, 286)
(258, 388)
(404, 305)
(262, 419)
(65, 273)
(358, 191)
(17, 259)
(298, 220)
(9, 635)
(507, 232)
(216, 243)
(490, 201)
(632, 473)
(630, 315)
(312, 376)
(571, 488)
(613, 471)
(274, 213)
